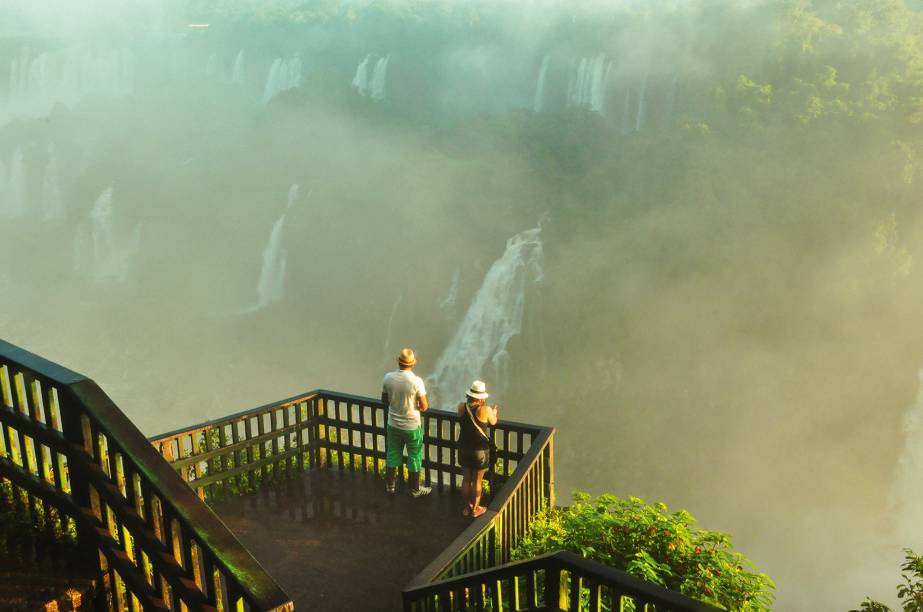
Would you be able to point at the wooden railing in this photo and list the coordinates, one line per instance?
(323, 429)
(556, 581)
(328, 429)
(70, 454)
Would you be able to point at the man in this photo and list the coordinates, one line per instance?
(403, 393)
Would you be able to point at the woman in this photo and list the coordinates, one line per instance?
(474, 445)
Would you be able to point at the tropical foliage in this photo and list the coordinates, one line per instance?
(654, 544)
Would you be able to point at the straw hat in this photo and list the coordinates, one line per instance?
(406, 358)
(478, 390)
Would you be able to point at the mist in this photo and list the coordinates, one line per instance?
(719, 309)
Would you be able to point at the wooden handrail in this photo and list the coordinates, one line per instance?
(349, 430)
(64, 443)
(542, 576)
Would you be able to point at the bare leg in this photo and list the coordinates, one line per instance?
(477, 510)
(466, 490)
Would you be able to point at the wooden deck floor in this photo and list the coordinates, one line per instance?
(337, 541)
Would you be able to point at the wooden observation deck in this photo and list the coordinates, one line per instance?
(277, 508)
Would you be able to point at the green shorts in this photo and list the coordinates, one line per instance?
(396, 439)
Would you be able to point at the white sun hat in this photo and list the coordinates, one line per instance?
(478, 390)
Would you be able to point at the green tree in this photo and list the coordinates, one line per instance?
(654, 544)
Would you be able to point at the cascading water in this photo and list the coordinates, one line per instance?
(101, 233)
(37, 83)
(361, 79)
(448, 303)
(588, 87)
(906, 500)
(211, 66)
(379, 79)
(386, 353)
(52, 202)
(538, 104)
(110, 259)
(642, 108)
(479, 347)
(284, 74)
(237, 74)
(372, 85)
(271, 282)
(669, 102)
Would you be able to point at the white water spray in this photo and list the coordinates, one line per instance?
(588, 87)
(361, 79)
(379, 79)
(448, 303)
(670, 102)
(111, 257)
(211, 66)
(237, 73)
(386, 354)
(642, 108)
(372, 83)
(538, 104)
(37, 84)
(479, 347)
(284, 74)
(271, 283)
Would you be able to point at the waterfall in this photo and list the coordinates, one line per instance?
(110, 258)
(669, 102)
(361, 80)
(447, 305)
(15, 205)
(374, 85)
(272, 274)
(292, 195)
(271, 282)
(479, 347)
(538, 104)
(386, 355)
(101, 232)
(379, 75)
(284, 74)
(588, 88)
(237, 74)
(600, 81)
(641, 116)
(37, 84)
(52, 201)
(211, 66)
(906, 499)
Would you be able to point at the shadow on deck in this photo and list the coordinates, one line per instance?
(335, 540)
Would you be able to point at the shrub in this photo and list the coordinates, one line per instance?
(649, 542)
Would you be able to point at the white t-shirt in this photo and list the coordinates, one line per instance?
(403, 387)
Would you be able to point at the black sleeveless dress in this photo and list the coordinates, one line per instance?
(473, 448)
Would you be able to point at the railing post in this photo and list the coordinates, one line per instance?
(552, 584)
(72, 431)
(549, 471)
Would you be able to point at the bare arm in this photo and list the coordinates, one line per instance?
(422, 403)
(492, 414)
